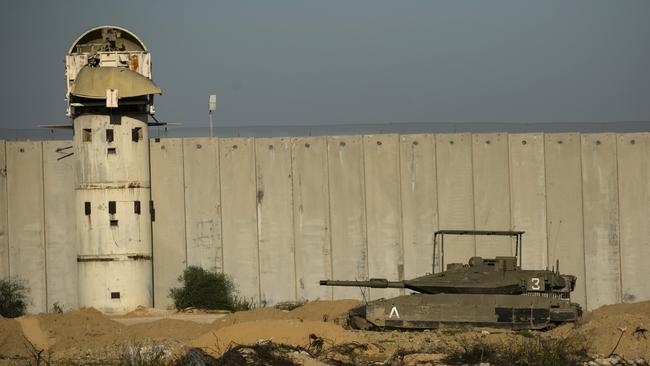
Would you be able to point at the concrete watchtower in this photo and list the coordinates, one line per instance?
(110, 96)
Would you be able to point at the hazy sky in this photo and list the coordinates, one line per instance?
(328, 62)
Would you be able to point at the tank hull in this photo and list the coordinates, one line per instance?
(427, 311)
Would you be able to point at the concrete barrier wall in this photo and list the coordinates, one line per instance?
(202, 203)
(60, 235)
(347, 213)
(278, 214)
(169, 238)
(564, 207)
(26, 226)
(383, 210)
(239, 215)
(633, 153)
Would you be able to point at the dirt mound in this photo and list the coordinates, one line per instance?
(166, 329)
(604, 327)
(80, 330)
(285, 331)
(11, 339)
(248, 316)
(335, 311)
(141, 311)
(328, 311)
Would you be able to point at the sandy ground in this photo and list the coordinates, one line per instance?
(87, 334)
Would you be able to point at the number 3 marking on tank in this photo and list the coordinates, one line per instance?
(393, 311)
(535, 285)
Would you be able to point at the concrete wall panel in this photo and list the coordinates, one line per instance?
(311, 217)
(239, 215)
(4, 243)
(348, 214)
(383, 210)
(455, 194)
(634, 195)
(564, 207)
(275, 219)
(528, 196)
(202, 203)
(25, 219)
(169, 250)
(491, 193)
(419, 202)
(60, 228)
(601, 225)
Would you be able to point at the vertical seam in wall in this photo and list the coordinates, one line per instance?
(582, 203)
(217, 146)
(6, 210)
(435, 161)
(471, 171)
(618, 221)
(365, 205)
(329, 213)
(257, 222)
(184, 200)
(293, 221)
(509, 192)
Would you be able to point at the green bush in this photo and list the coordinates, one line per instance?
(13, 297)
(203, 290)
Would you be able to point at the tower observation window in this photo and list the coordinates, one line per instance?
(136, 134)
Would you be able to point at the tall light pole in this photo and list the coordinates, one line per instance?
(212, 106)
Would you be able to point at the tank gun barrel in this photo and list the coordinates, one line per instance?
(372, 283)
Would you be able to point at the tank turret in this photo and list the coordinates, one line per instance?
(500, 275)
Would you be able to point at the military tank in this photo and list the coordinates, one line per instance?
(492, 292)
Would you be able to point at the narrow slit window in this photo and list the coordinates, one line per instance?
(112, 207)
(87, 135)
(136, 207)
(109, 135)
(112, 151)
(114, 223)
(136, 134)
(87, 208)
(115, 295)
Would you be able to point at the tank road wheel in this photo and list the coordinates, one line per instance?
(358, 322)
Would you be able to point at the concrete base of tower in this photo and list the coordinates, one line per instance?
(115, 284)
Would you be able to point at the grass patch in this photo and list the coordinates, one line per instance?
(450, 332)
(534, 350)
